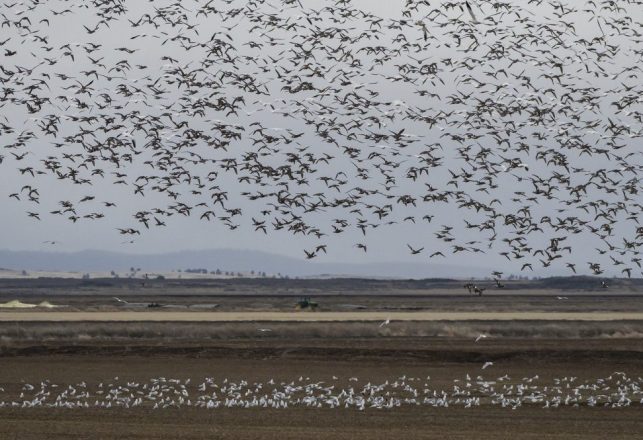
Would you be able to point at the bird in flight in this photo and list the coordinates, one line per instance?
(529, 156)
(473, 17)
(414, 251)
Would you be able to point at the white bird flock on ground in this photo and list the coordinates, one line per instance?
(616, 391)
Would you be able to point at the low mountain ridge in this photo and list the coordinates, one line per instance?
(226, 260)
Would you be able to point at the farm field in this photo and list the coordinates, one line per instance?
(311, 361)
(406, 361)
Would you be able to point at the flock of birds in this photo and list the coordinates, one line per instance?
(509, 126)
(616, 391)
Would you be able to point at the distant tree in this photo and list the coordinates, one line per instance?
(24, 273)
(160, 277)
(86, 276)
(112, 273)
(218, 272)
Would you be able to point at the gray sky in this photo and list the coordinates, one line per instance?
(386, 243)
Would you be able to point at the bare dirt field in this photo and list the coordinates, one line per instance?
(554, 362)
(147, 316)
(372, 361)
(414, 423)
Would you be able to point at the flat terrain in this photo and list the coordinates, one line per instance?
(367, 361)
(413, 423)
(570, 345)
(147, 316)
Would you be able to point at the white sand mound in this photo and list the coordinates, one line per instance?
(47, 305)
(15, 304)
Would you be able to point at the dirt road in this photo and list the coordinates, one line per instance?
(151, 316)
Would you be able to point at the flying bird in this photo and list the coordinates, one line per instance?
(529, 155)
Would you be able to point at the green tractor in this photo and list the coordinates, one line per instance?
(306, 304)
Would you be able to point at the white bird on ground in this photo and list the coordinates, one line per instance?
(481, 336)
(264, 330)
(487, 364)
(615, 391)
(387, 322)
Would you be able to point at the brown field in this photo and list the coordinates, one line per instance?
(589, 336)
(165, 316)
(372, 360)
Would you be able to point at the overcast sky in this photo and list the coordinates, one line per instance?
(184, 233)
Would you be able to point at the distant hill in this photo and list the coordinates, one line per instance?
(226, 260)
